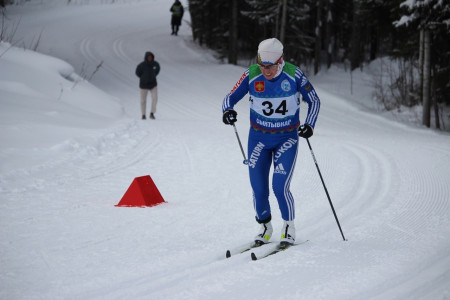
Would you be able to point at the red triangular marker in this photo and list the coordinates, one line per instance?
(142, 192)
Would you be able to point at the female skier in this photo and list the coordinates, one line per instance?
(274, 87)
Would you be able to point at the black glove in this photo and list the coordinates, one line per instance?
(305, 131)
(229, 117)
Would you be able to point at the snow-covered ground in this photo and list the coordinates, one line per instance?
(69, 149)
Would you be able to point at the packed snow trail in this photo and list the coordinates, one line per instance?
(62, 237)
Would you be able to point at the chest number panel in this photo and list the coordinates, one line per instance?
(268, 108)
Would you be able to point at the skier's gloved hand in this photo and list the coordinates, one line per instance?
(230, 117)
(305, 131)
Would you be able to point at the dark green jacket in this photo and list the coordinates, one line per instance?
(147, 72)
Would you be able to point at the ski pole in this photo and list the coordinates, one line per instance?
(326, 191)
(245, 162)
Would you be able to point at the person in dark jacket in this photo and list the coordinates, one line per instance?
(177, 14)
(147, 72)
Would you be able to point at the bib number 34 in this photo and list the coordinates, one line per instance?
(269, 108)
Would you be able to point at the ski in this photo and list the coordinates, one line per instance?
(244, 248)
(278, 248)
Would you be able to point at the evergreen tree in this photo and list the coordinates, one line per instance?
(432, 19)
(336, 31)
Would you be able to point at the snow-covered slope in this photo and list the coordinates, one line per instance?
(69, 151)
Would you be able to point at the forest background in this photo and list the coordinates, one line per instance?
(414, 35)
(411, 35)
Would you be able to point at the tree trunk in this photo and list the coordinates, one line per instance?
(318, 45)
(421, 65)
(435, 103)
(373, 31)
(355, 38)
(232, 52)
(329, 39)
(283, 22)
(277, 20)
(426, 78)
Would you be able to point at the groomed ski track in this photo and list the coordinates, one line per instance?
(62, 237)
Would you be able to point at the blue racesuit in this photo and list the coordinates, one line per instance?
(273, 137)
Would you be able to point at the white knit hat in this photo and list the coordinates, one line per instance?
(270, 51)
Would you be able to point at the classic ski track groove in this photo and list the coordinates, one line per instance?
(377, 205)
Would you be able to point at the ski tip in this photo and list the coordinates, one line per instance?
(254, 256)
(228, 254)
